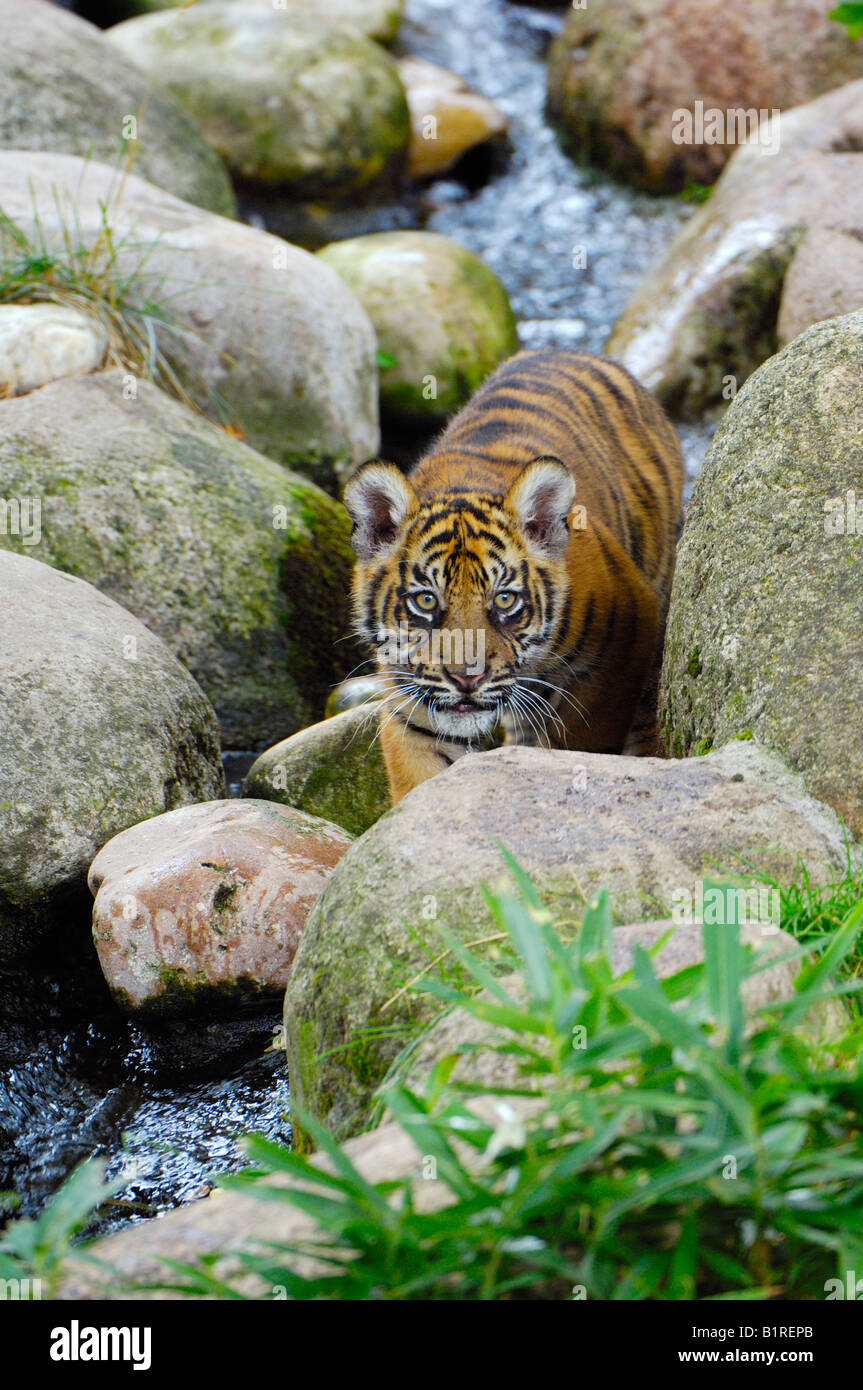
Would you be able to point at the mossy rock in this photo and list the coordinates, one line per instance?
(645, 828)
(333, 769)
(442, 318)
(295, 104)
(379, 19)
(359, 690)
(63, 88)
(242, 567)
(764, 636)
(100, 728)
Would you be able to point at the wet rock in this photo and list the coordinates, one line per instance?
(261, 333)
(621, 71)
(447, 118)
(824, 280)
(333, 769)
(442, 318)
(359, 690)
(41, 342)
(205, 906)
(100, 727)
(64, 88)
(644, 828)
(287, 102)
(226, 1222)
(764, 625)
(705, 318)
(240, 566)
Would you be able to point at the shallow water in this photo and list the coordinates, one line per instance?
(75, 1077)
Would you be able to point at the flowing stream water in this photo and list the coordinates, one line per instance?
(165, 1112)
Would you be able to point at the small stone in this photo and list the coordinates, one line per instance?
(41, 342)
(359, 690)
(447, 118)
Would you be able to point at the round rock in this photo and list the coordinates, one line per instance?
(333, 769)
(442, 318)
(41, 342)
(64, 88)
(287, 102)
(100, 727)
(204, 907)
(263, 336)
(645, 828)
(240, 566)
(764, 632)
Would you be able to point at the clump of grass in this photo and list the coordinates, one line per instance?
(659, 1145)
(107, 279)
(813, 913)
(660, 1140)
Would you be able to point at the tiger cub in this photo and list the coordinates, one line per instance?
(520, 575)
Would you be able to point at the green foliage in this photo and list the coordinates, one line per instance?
(694, 192)
(814, 914)
(653, 1146)
(108, 279)
(651, 1139)
(851, 15)
(35, 1248)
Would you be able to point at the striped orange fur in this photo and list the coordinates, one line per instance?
(520, 576)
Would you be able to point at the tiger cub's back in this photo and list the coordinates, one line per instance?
(590, 413)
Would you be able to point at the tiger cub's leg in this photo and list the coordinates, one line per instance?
(409, 757)
(644, 738)
(604, 706)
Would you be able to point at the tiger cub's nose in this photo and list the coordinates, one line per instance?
(464, 681)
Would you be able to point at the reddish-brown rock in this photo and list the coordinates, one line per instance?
(205, 906)
(621, 68)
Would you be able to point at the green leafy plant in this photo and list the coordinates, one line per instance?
(648, 1138)
(658, 1139)
(851, 15)
(35, 1248)
(109, 278)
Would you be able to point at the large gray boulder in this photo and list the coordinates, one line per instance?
(706, 317)
(265, 337)
(764, 627)
(64, 88)
(289, 101)
(240, 566)
(645, 828)
(100, 727)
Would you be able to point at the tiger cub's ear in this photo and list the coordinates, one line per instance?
(541, 498)
(378, 498)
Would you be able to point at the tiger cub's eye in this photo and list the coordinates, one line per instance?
(506, 600)
(425, 601)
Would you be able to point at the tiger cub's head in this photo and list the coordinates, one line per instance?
(463, 595)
